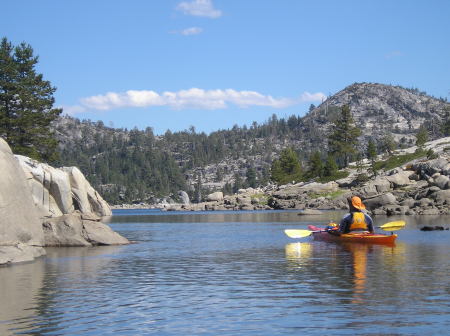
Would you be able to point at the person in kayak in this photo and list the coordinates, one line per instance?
(356, 220)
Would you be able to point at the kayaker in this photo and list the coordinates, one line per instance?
(355, 220)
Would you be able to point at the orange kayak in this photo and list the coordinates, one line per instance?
(354, 237)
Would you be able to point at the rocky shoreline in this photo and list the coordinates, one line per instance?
(419, 187)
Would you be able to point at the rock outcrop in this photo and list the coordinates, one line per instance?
(21, 234)
(61, 191)
(76, 230)
(45, 206)
(71, 209)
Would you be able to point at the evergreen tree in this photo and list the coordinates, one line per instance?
(237, 183)
(445, 128)
(26, 103)
(343, 140)
(315, 165)
(331, 168)
(371, 153)
(251, 177)
(198, 188)
(287, 168)
(388, 144)
(421, 136)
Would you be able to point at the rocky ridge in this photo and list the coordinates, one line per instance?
(379, 109)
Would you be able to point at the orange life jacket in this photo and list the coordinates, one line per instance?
(358, 222)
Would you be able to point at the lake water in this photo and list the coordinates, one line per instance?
(233, 273)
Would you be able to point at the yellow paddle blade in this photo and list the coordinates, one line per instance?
(398, 224)
(297, 233)
(393, 228)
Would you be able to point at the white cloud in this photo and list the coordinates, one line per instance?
(191, 31)
(306, 97)
(186, 99)
(199, 8)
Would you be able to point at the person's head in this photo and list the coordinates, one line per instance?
(355, 203)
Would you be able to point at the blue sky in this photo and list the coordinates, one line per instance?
(170, 64)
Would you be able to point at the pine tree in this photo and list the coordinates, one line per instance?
(371, 153)
(251, 177)
(330, 168)
(388, 144)
(315, 165)
(343, 140)
(26, 103)
(287, 168)
(445, 128)
(421, 136)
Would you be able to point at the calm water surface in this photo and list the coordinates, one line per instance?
(233, 274)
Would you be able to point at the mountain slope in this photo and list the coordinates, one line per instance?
(379, 109)
(129, 165)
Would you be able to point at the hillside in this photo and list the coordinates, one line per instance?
(381, 109)
(133, 166)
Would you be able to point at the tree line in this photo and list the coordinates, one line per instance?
(136, 165)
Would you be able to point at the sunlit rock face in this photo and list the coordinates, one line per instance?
(21, 234)
(61, 191)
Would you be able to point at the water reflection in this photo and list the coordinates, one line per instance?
(30, 293)
(19, 287)
(230, 278)
(359, 255)
(275, 216)
(342, 268)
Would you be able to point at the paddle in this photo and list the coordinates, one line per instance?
(298, 233)
(393, 226)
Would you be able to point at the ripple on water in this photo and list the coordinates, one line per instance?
(230, 279)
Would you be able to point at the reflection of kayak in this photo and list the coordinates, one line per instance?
(354, 237)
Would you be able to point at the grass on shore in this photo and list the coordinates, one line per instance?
(398, 160)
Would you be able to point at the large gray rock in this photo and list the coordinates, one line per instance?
(215, 197)
(399, 179)
(19, 220)
(320, 187)
(58, 191)
(380, 201)
(21, 234)
(428, 168)
(441, 197)
(441, 181)
(31, 191)
(72, 230)
(382, 184)
(66, 230)
(84, 196)
(98, 233)
(377, 186)
(184, 197)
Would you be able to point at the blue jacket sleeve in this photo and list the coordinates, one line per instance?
(369, 222)
(344, 226)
